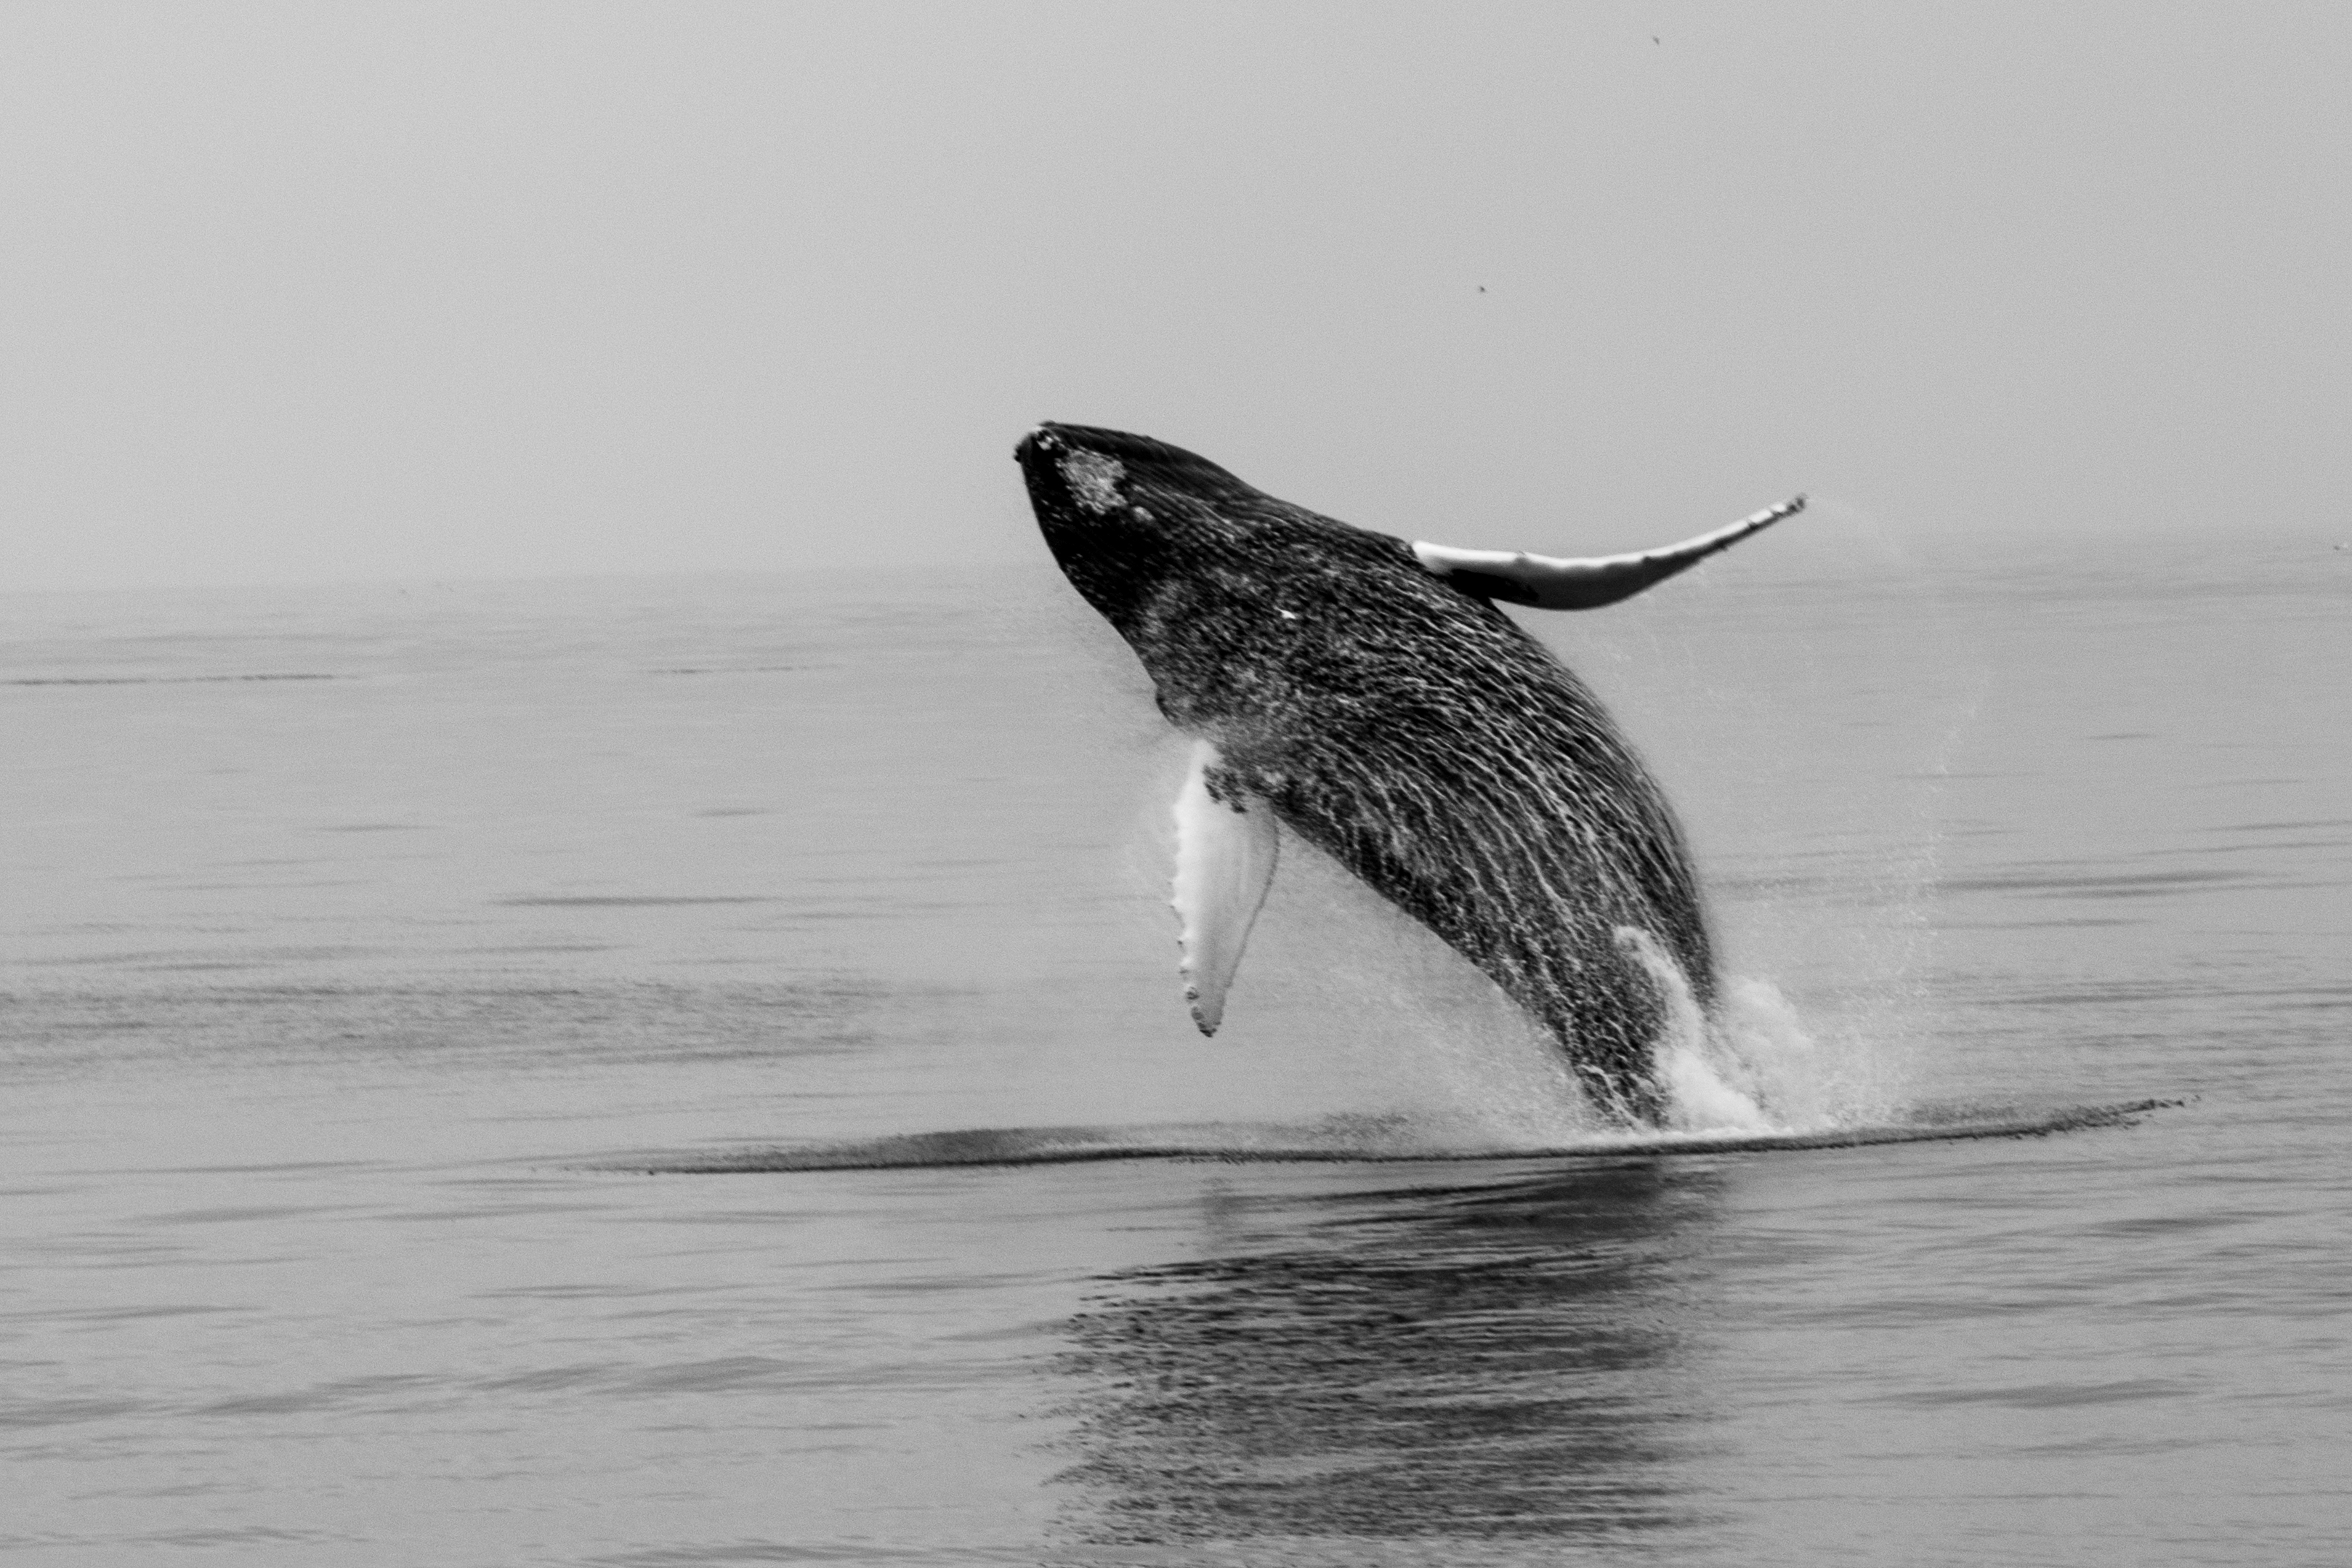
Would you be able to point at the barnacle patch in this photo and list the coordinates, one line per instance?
(1093, 478)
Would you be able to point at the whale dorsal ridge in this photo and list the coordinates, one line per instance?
(1587, 583)
(1225, 849)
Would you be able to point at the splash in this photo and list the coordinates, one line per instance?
(1360, 1010)
(1752, 1066)
(1706, 1084)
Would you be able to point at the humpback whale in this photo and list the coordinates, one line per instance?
(1365, 694)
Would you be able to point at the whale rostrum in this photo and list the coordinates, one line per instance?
(1367, 695)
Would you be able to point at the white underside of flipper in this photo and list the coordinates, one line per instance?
(1224, 863)
(1559, 583)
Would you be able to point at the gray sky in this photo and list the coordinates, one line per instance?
(324, 291)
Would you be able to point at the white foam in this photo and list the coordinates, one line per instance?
(1700, 1077)
(1755, 1066)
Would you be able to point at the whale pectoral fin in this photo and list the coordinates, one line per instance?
(1226, 848)
(1557, 582)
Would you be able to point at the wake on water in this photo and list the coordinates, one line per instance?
(1749, 1078)
(1366, 1139)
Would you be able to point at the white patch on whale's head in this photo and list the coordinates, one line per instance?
(1093, 478)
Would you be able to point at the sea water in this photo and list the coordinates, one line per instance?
(365, 948)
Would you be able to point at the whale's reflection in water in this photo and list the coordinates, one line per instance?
(1511, 1360)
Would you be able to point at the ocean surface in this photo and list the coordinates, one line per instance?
(473, 1059)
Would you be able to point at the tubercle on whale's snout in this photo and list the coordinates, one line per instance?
(1037, 454)
(1042, 441)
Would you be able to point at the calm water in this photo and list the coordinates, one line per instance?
(344, 1010)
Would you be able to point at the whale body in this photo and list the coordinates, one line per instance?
(1367, 693)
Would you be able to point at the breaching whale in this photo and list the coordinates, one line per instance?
(1367, 694)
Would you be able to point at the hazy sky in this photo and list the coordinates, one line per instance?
(365, 290)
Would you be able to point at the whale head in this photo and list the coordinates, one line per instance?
(1209, 579)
